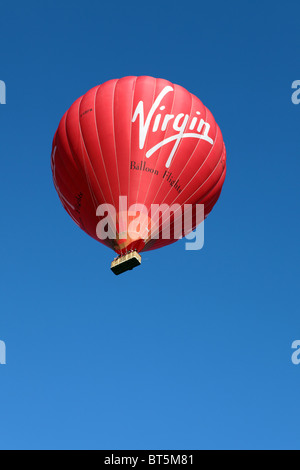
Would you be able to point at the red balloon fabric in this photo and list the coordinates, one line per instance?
(141, 138)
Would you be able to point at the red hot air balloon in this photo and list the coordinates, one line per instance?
(127, 146)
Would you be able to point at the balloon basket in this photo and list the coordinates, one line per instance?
(126, 263)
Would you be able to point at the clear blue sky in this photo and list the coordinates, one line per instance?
(193, 350)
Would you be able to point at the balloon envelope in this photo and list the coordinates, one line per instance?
(144, 139)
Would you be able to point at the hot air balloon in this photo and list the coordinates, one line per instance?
(127, 146)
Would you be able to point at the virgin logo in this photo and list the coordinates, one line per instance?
(180, 125)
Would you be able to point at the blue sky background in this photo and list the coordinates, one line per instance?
(193, 350)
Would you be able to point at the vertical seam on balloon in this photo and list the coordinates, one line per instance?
(93, 169)
(97, 202)
(189, 159)
(68, 142)
(100, 148)
(195, 149)
(167, 128)
(116, 157)
(113, 121)
(211, 189)
(146, 142)
(177, 150)
(130, 140)
(80, 166)
(130, 151)
(56, 174)
(217, 132)
(214, 186)
(79, 169)
(184, 166)
(104, 199)
(196, 175)
(83, 141)
(84, 162)
(199, 200)
(63, 199)
(198, 172)
(158, 156)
